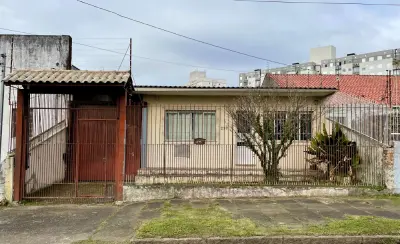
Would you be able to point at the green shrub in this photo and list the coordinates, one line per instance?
(334, 154)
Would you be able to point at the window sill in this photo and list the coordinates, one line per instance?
(246, 165)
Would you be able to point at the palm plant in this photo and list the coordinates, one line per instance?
(334, 154)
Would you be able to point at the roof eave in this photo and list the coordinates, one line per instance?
(227, 91)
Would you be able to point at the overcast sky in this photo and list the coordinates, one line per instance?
(280, 32)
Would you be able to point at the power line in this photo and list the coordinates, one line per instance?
(136, 56)
(76, 38)
(123, 57)
(102, 38)
(22, 32)
(181, 35)
(320, 2)
(159, 60)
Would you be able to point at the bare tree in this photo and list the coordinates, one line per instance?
(268, 124)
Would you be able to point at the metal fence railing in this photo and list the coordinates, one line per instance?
(201, 144)
(72, 146)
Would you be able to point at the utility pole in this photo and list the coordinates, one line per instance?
(2, 75)
(390, 88)
(396, 64)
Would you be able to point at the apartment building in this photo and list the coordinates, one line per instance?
(323, 61)
(199, 78)
(253, 78)
(312, 67)
(374, 63)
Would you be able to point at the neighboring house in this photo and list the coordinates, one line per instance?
(199, 78)
(368, 94)
(369, 87)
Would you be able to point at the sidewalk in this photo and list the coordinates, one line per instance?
(69, 223)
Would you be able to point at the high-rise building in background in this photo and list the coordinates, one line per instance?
(317, 54)
(374, 63)
(323, 61)
(199, 78)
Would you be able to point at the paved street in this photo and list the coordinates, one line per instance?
(68, 223)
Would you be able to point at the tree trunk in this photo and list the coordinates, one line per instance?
(272, 173)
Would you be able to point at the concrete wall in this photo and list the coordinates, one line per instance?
(2, 181)
(46, 164)
(31, 52)
(390, 170)
(36, 52)
(134, 193)
(7, 175)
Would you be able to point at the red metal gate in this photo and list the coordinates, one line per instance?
(95, 156)
(95, 134)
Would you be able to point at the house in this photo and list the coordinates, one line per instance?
(177, 115)
(372, 100)
(110, 134)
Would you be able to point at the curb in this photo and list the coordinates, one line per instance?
(278, 240)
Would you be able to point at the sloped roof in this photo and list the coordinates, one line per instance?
(371, 87)
(67, 76)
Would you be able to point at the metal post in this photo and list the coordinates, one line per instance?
(130, 56)
(2, 75)
(120, 147)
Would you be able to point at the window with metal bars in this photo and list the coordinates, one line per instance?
(188, 125)
(303, 126)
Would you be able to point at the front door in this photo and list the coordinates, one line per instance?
(243, 154)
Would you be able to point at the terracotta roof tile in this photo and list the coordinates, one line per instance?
(371, 87)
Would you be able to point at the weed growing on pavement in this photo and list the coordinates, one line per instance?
(196, 222)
